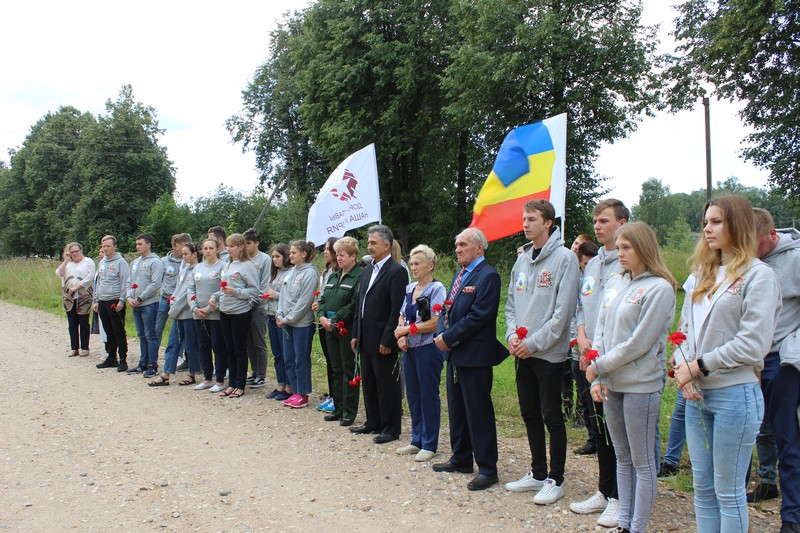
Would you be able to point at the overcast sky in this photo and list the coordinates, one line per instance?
(191, 60)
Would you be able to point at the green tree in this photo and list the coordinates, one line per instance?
(123, 171)
(748, 50)
(165, 219)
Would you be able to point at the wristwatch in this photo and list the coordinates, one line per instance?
(702, 367)
(139, 299)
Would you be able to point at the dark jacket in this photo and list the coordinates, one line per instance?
(340, 297)
(381, 303)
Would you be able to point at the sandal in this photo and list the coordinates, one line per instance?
(227, 392)
(163, 383)
(237, 393)
(190, 381)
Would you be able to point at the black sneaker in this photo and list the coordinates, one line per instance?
(138, 369)
(763, 491)
(108, 363)
(150, 372)
(123, 366)
(250, 380)
(257, 383)
(667, 470)
(789, 527)
(586, 449)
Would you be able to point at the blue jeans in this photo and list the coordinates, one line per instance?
(184, 329)
(145, 319)
(161, 318)
(276, 345)
(677, 432)
(766, 448)
(721, 432)
(297, 353)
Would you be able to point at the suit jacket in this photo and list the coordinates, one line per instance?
(472, 331)
(381, 303)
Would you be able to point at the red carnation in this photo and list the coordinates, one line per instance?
(358, 379)
(171, 298)
(223, 284)
(573, 343)
(114, 307)
(352, 383)
(316, 293)
(340, 324)
(671, 373)
(194, 298)
(591, 355)
(448, 302)
(437, 308)
(342, 332)
(265, 296)
(134, 286)
(522, 332)
(677, 338)
(413, 329)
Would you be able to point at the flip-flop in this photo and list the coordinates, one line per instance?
(237, 393)
(226, 393)
(190, 381)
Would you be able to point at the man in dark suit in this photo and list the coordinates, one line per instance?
(381, 293)
(468, 336)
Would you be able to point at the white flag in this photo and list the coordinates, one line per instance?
(349, 199)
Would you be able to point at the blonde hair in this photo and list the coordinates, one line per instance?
(645, 244)
(425, 251)
(740, 229)
(347, 245)
(237, 239)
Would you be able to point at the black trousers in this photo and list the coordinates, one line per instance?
(383, 403)
(114, 324)
(606, 457)
(78, 329)
(235, 330)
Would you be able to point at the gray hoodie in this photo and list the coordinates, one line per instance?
(202, 286)
(146, 273)
(598, 271)
(172, 268)
(297, 295)
(631, 333)
(263, 263)
(541, 297)
(179, 302)
(738, 331)
(242, 277)
(112, 279)
(785, 262)
(276, 285)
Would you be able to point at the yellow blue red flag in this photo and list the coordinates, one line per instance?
(531, 164)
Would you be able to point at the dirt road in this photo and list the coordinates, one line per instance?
(93, 450)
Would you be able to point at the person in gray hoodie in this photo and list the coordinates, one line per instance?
(730, 318)
(297, 320)
(257, 342)
(147, 272)
(172, 263)
(778, 439)
(541, 302)
(238, 288)
(109, 301)
(637, 310)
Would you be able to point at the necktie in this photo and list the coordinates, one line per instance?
(457, 283)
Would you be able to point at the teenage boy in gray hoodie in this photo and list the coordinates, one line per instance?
(541, 302)
(607, 216)
(109, 302)
(781, 251)
(257, 341)
(147, 271)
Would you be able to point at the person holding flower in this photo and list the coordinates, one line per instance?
(541, 302)
(296, 318)
(731, 317)
(144, 284)
(423, 360)
(331, 269)
(202, 285)
(626, 366)
(336, 308)
(237, 289)
(181, 315)
(280, 267)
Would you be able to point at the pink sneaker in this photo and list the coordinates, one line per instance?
(290, 400)
(299, 402)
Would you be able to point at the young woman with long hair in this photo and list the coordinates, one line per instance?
(280, 267)
(730, 318)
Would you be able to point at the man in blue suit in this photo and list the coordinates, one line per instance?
(467, 333)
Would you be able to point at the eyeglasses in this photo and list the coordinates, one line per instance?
(74, 251)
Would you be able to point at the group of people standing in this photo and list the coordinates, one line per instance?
(614, 306)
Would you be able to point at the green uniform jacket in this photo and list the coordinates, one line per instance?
(340, 297)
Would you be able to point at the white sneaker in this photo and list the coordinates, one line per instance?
(525, 483)
(217, 388)
(408, 449)
(424, 455)
(596, 504)
(549, 493)
(610, 517)
(203, 386)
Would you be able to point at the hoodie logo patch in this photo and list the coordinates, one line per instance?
(587, 287)
(197, 276)
(544, 280)
(170, 271)
(608, 297)
(519, 283)
(235, 276)
(737, 288)
(635, 296)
